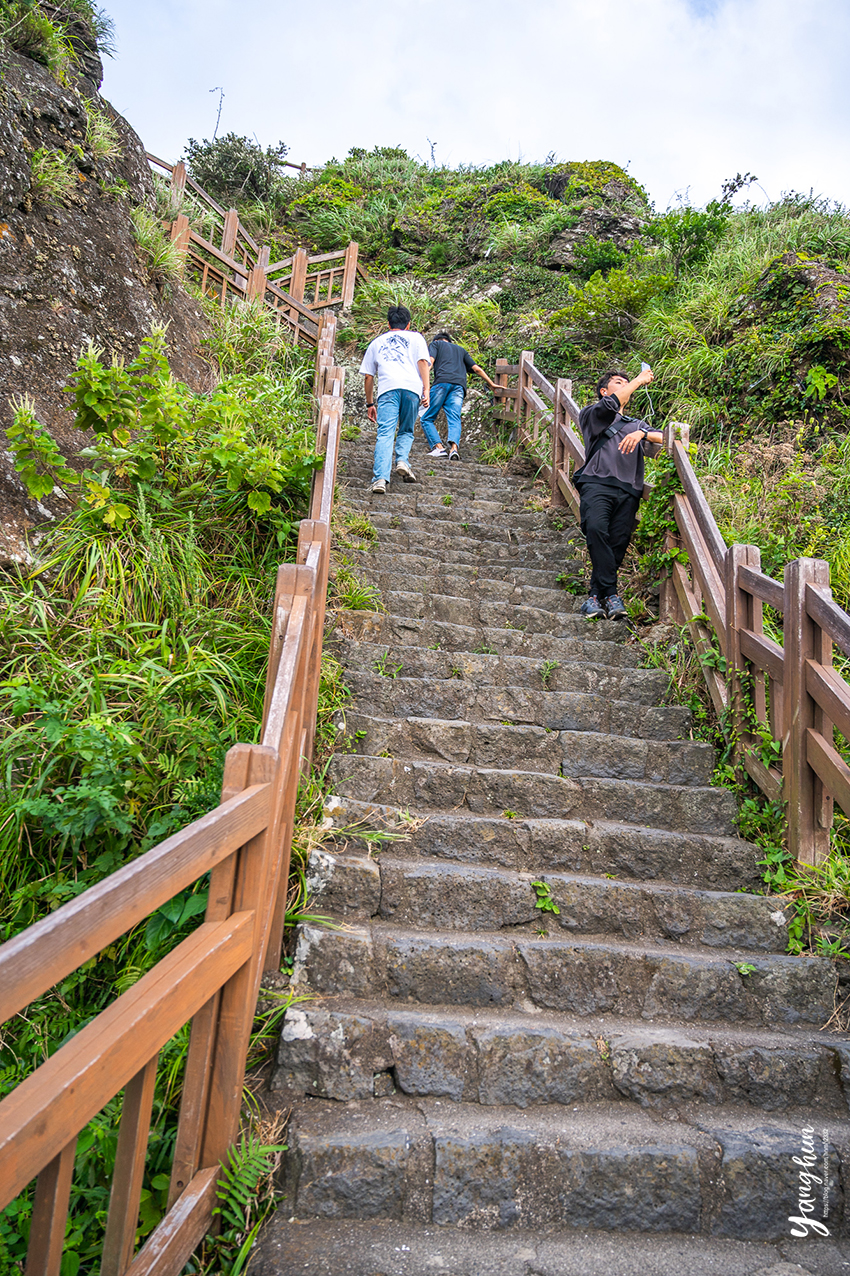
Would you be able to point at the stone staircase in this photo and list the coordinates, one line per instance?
(480, 1083)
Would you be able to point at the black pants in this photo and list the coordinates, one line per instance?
(608, 517)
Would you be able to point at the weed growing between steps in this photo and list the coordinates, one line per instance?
(132, 655)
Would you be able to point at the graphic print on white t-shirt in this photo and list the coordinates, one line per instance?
(394, 357)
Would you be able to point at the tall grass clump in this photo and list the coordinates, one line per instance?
(163, 258)
(53, 176)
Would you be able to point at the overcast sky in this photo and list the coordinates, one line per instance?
(683, 92)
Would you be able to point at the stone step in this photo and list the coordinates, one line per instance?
(580, 977)
(401, 697)
(444, 515)
(352, 1247)
(506, 549)
(436, 895)
(347, 1049)
(454, 1166)
(431, 785)
(587, 671)
(627, 851)
(484, 542)
(492, 613)
(356, 468)
(416, 565)
(428, 785)
(446, 584)
(487, 744)
(433, 487)
(487, 640)
(452, 525)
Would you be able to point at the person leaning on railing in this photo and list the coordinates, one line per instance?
(610, 485)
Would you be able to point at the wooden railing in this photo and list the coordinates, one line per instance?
(212, 978)
(789, 696)
(230, 263)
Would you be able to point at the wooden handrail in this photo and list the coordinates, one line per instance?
(212, 978)
(791, 692)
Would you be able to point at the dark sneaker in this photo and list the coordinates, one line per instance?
(615, 608)
(592, 608)
(454, 455)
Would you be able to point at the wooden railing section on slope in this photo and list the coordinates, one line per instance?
(790, 694)
(212, 978)
(232, 264)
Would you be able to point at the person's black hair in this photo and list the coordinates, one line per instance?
(602, 383)
(398, 316)
(443, 336)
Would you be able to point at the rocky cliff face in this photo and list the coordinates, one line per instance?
(70, 271)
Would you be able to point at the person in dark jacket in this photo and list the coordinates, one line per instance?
(451, 364)
(610, 485)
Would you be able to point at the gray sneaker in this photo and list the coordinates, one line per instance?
(615, 608)
(592, 608)
(405, 471)
(380, 486)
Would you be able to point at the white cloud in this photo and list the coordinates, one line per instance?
(687, 92)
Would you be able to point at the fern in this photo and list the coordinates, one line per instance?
(246, 1165)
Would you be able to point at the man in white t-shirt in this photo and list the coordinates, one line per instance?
(402, 364)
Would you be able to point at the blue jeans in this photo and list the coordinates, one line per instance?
(395, 408)
(449, 398)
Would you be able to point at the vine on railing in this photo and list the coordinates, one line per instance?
(782, 704)
(230, 263)
(211, 979)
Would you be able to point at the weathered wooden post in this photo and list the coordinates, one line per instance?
(180, 231)
(743, 611)
(178, 185)
(349, 276)
(809, 807)
(256, 286)
(522, 382)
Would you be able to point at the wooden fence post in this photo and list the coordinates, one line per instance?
(178, 185)
(809, 808)
(256, 286)
(180, 232)
(298, 281)
(229, 231)
(248, 889)
(349, 276)
(563, 387)
(241, 769)
(50, 1213)
(522, 381)
(742, 612)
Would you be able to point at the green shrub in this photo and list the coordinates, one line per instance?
(520, 204)
(231, 167)
(592, 255)
(606, 310)
(690, 234)
(331, 192)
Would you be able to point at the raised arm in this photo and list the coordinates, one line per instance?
(625, 392)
